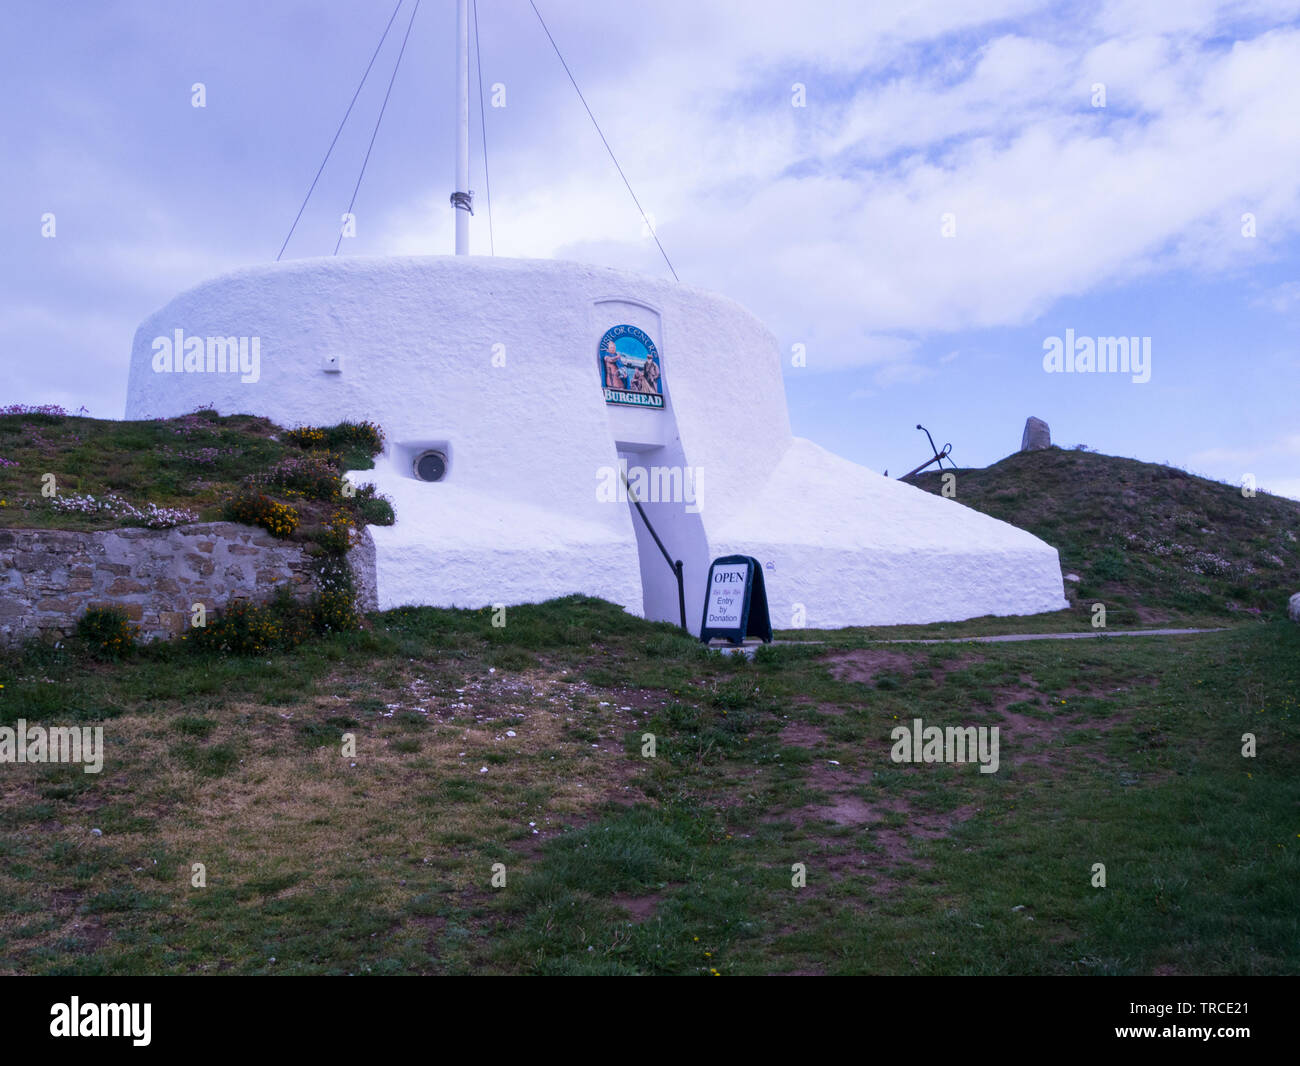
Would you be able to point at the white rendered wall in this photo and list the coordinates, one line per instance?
(884, 552)
(517, 518)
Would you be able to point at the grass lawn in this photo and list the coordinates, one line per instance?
(523, 746)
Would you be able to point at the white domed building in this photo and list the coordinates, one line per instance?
(516, 395)
(511, 421)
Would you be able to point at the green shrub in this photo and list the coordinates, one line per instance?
(362, 436)
(242, 628)
(333, 610)
(366, 437)
(315, 476)
(306, 437)
(254, 508)
(106, 633)
(339, 532)
(246, 628)
(374, 509)
(1110, 565)
(293, 616)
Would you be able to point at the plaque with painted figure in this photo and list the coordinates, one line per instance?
(630, 372)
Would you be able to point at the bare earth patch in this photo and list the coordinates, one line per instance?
(864, 665)
(1031, 735)
(802, 735)
(641, 908)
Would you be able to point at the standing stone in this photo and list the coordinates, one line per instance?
(1293, 608)
(1036, 435)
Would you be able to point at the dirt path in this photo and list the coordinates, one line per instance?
(747, 650)
(1008, 637)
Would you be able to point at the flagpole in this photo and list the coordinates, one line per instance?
(462, 198)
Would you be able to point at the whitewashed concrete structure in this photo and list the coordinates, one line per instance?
(493, 363)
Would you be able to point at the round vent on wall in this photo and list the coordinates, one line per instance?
(430, 466)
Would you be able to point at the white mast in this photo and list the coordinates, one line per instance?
(462, 198)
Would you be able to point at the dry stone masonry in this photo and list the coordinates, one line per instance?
(49, 578)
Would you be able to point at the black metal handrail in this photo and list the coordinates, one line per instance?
(675, 564)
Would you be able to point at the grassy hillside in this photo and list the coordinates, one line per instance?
(59, 471)
(525, 746)
(351, 800)
(195, 461)
(1153, 543)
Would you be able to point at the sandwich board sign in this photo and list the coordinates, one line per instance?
(735, 602)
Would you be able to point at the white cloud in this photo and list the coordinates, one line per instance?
(1271, 463)
(1275, 450)
(826, 220)
(1289, 487)
(1280, 298)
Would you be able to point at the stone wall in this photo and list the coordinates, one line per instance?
(49, 578)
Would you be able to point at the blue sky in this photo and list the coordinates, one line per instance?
(825, 220)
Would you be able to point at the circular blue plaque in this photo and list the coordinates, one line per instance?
(630, 371)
